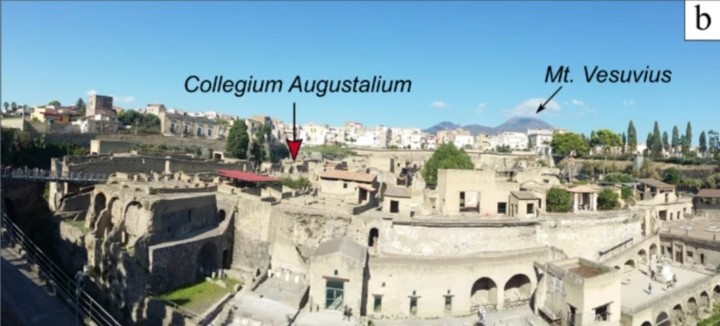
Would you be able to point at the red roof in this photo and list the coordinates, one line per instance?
(246, 176)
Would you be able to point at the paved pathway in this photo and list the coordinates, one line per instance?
(25, 298)
(635, 292)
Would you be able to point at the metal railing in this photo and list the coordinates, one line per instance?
(45, 175)
(63, 284)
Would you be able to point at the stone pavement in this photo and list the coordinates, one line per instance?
(24, 295)
(634, 293)
(521, 316)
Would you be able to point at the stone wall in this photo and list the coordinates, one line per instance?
(251, 241)
(454, 241)
(173, 265)
(594, 233)
(483, 279)
(218, 145)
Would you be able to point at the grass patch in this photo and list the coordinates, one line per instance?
(199, 297)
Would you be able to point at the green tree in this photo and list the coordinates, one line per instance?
(257, 149)
(672, 176)
(624, 140)
(278, 152)
(688, 138)
(675, 142)
(608, 199)
(649, 142)
(446, 156)
(626, 192)
(565, 143)
(237, 140)
(503, 149)
(6, 105)
(618, 177)
(665, 142)
(713, 142)
(80, 107)
(54, 103)
(632, 137)
(703, 143)
(605, 138)
(13, 106)
(656, 142)
(299, 183)
(558, 200)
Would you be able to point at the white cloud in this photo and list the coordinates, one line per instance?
(530, 106)
(480, 108)
(91, 92)
(628, 102)
(578, 102)
(439, 105)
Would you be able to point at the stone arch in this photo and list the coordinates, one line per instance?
(662, 319)
(518, 289)
(207, 260)
(221, 215)
(652, 251)
(716, 293)
(373, 237)
(692, 306)
(646, 323)
(677, 314)
(629, 264)
(104, 224)
(484, 292)
(642, 257)
(704, 299)
(99, 204)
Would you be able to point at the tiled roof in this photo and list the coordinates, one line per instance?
(397, 192)
(348, 176)
(655, 183)
(343, 246)
(246, 176)
(526, 195)
(708, 193)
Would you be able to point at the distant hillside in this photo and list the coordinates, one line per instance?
(442, 126)
(514, 124)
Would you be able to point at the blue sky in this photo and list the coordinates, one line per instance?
(470, 62)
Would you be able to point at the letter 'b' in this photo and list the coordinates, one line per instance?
(701, 15)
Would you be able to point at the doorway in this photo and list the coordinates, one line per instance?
(334, 291)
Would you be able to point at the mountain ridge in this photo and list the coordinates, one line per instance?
(516, 124)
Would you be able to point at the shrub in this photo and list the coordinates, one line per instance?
(558, 200)
(608, 199)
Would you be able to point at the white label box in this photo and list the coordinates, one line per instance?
(702, 20)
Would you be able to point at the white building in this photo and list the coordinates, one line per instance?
(540, 139)
(313, 134)
(463, 141)
(515, 140)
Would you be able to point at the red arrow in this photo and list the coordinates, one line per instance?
(294, 145)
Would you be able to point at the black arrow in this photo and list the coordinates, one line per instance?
(542, 105)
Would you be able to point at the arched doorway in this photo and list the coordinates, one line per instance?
(518, 290)
(629, 264)
(100, 203)
(221, 215)
(677, 315)
(662, 319)
(642, 256)
(692, 307)
(373, 237)
(652, 250)
(716, 293)
(704, 300)
(647, 323)
(207, 261)
(484, 293)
